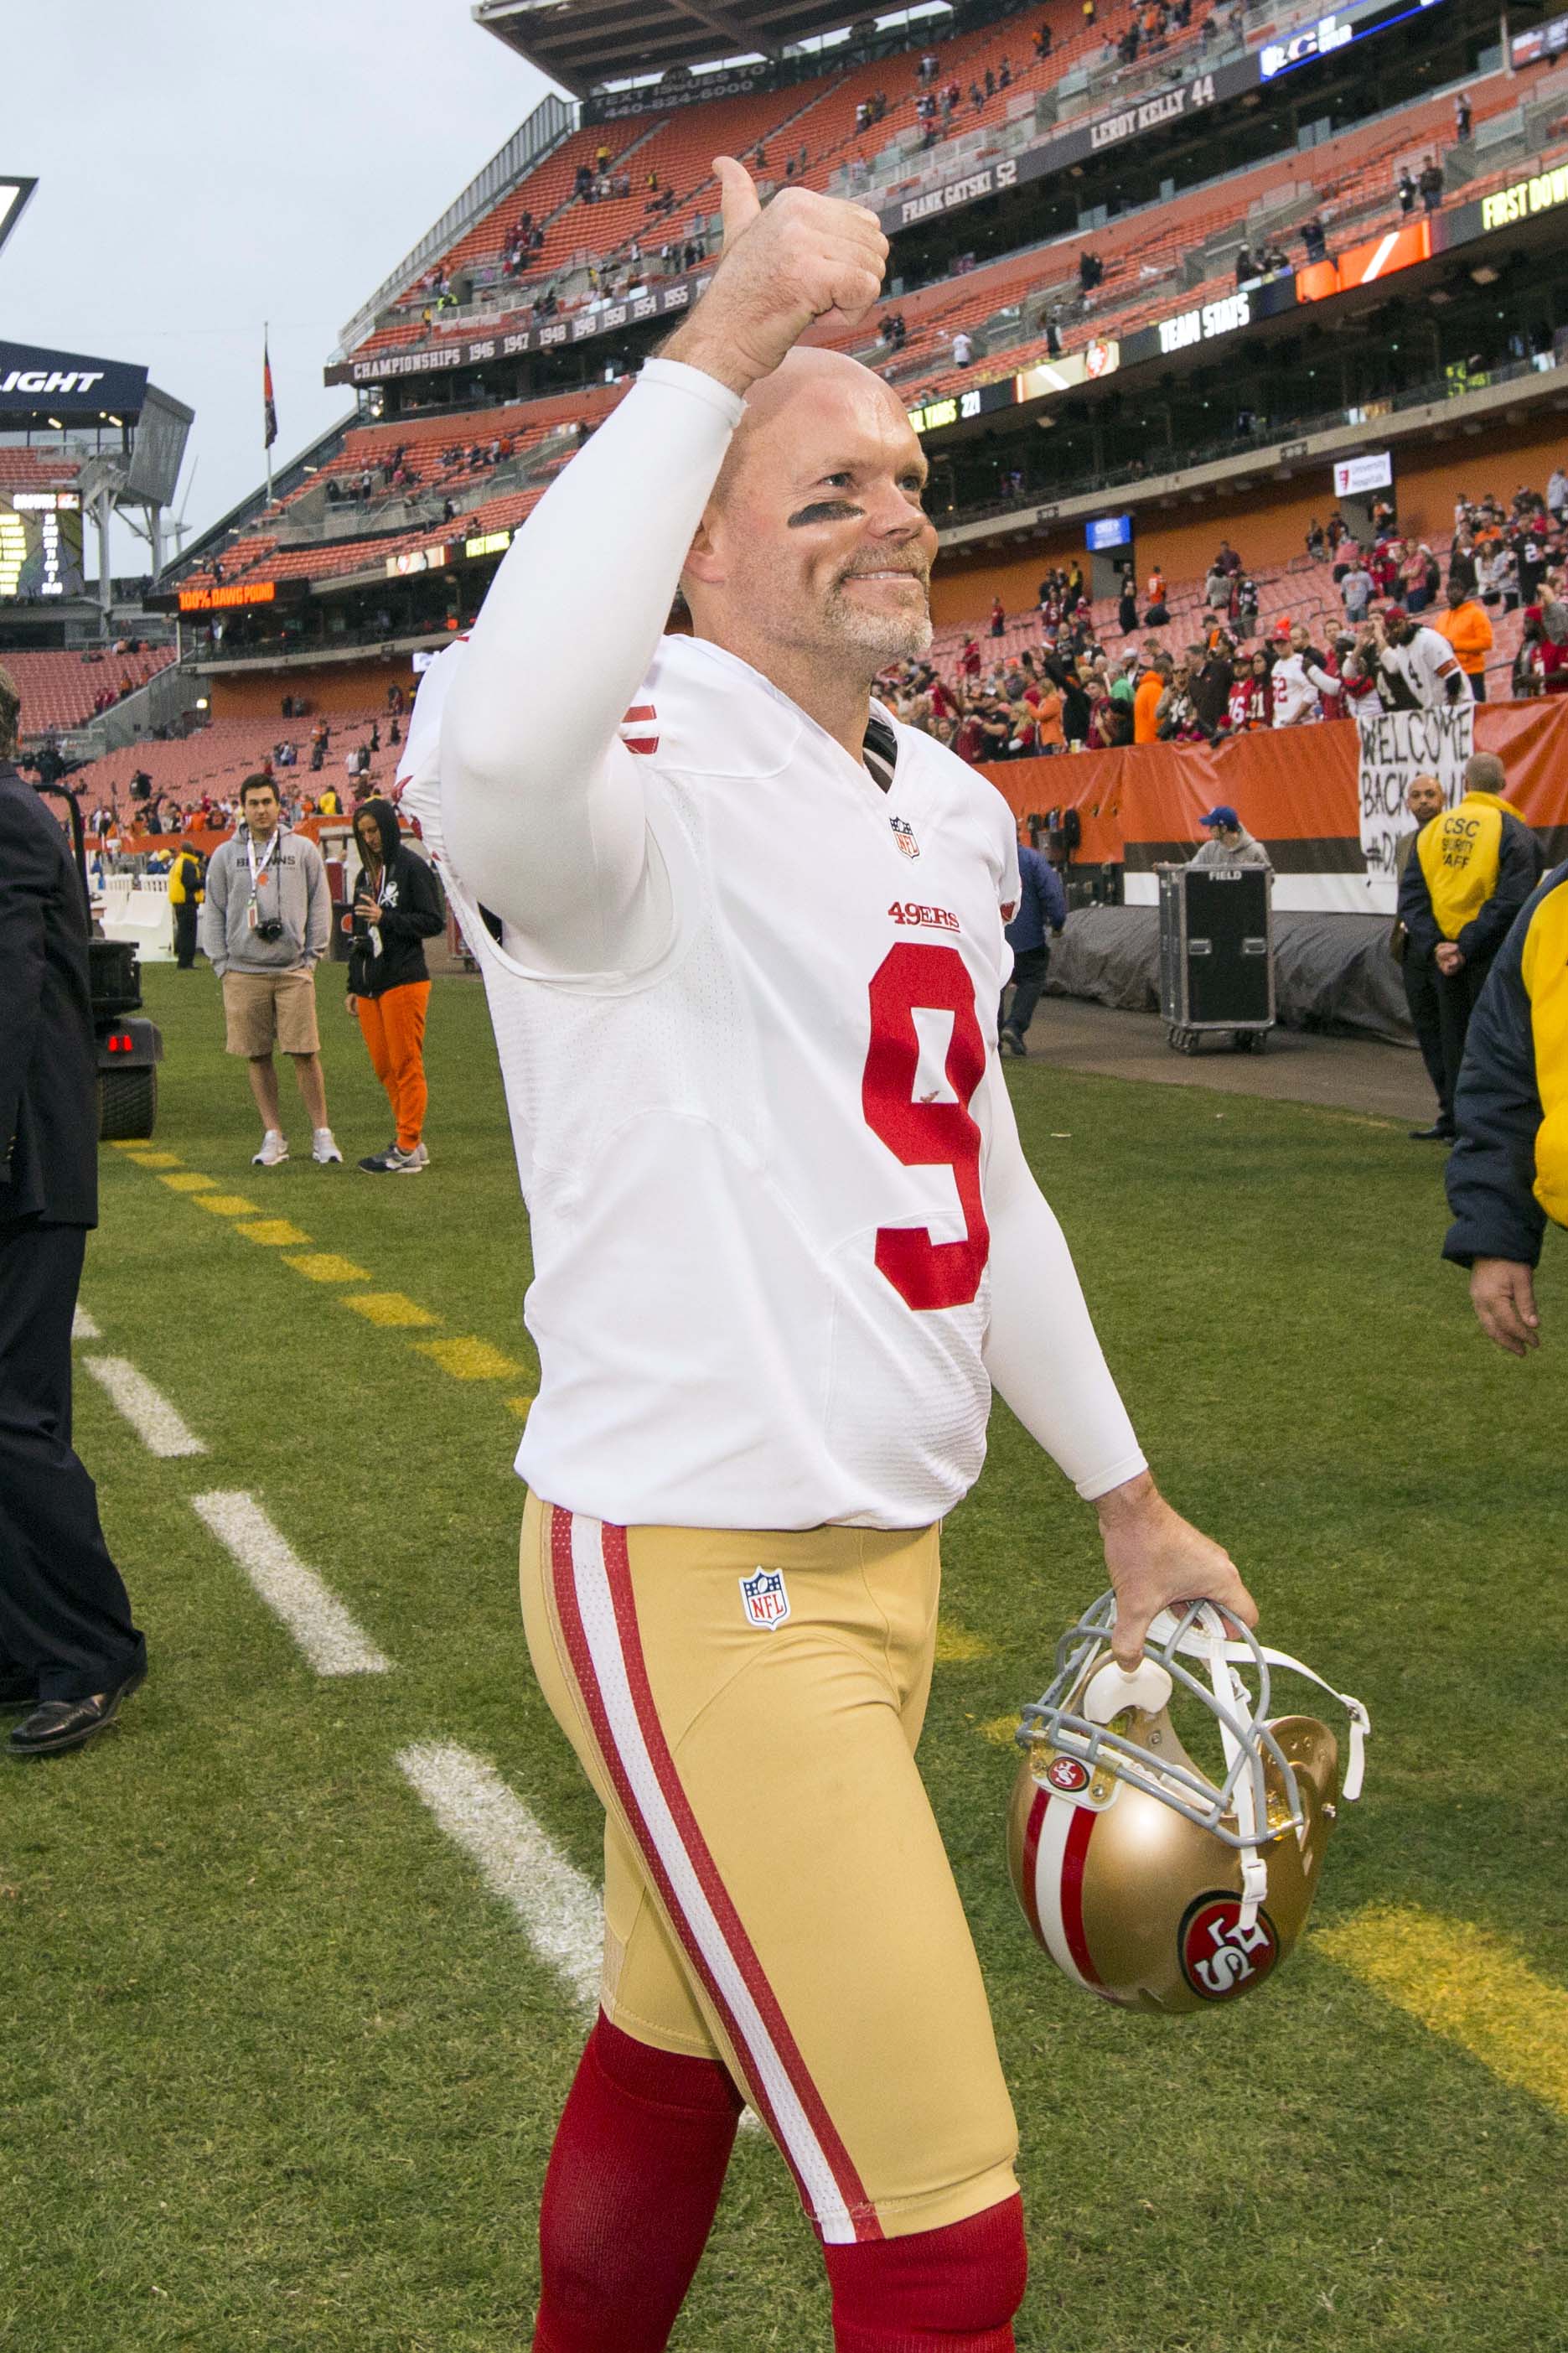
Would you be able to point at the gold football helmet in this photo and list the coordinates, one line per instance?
(1148, 1881)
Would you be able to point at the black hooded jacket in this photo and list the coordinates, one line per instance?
(411, 912)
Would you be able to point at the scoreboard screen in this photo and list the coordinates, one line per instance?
(40, 545)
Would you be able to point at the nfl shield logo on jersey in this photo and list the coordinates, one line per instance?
(904, 835)
(767, 1603)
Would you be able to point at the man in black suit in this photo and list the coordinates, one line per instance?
(68, 1651)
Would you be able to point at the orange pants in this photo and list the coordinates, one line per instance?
(393, 1027)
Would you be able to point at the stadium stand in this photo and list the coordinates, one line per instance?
(62, 690)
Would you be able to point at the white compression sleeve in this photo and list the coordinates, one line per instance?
(1041, 1351)
(541, 804)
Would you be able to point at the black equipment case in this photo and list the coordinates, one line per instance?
(1217, 955)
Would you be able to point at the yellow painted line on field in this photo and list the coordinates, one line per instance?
(325, 1266)
(470, 1360)
(1465, 1984)
(226, 1205)
(273, 1233)
(389, 1308)
(128, 1143)
(1000, 1730)
(956, 1646)
(186, 1180)
(520, 1406)
(155, 1159)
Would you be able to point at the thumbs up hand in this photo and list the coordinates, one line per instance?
(802, 257)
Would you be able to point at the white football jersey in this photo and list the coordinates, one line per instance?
(755, 1171)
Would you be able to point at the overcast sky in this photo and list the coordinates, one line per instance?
(207, 164)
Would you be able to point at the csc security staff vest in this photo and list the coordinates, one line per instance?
(1544, 968)
(1459, 853)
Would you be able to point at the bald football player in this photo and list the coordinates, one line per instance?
(742, 939)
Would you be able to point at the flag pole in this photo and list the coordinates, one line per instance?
(266, 346)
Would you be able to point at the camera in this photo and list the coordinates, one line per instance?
(270, 930)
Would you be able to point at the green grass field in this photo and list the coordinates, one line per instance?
(277, 2072)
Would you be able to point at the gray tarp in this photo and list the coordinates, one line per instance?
(1330, 972)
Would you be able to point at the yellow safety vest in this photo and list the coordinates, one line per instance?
(1544, 967)
(1460, 854)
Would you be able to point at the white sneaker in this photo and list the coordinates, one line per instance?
(324, 1148)
(274, 1148)
(422, 1154)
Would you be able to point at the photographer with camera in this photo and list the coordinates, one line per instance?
(265, 926)
(397, 907)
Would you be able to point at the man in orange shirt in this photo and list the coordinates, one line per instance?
(1145, 704)
(1469, 632)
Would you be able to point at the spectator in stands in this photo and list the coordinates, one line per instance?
(1317, 545)
(1423, 577)
(1463, 117)
(1469, 632)
(266, 924)
(1430, 183)
(1355, 590)
(1210, 675)
(1042, 912)
(1294, 697)
(962, 349)
(1156, 614)
(1470, 872)
(1420, 665)
(1227, 841)
(1043, 41)
(1314, 240)
(1091, 272)
(1405, 189)
(1557, 495)
(1249, 704)
(998, 616)
(1246, 267)
(1151, 683)
(1127, 605)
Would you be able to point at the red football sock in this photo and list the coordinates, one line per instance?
(949, 2291)
(630, 2193)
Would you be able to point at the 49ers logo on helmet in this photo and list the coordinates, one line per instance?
(1067, 1773)
(1220, 1959)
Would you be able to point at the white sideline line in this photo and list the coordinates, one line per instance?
(147, 1409)
(324, 1629)
(561, 1911)
(83, 1327)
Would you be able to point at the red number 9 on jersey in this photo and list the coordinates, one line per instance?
(921, 975)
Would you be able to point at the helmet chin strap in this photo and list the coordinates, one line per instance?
(1206, 1640)
(1209, 1644)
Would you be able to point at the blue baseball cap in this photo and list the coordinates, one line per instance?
(1223, 816)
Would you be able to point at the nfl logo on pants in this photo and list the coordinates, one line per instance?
(767, 1603)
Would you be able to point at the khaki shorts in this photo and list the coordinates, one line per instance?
(262, 1010)
(776, 1894)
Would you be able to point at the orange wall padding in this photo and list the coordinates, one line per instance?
(1286, 784)
(1266, 530)
(352, 686)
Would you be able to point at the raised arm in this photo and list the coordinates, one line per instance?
(541, 805)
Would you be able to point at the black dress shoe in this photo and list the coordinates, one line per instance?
(60, 1724)
(18, 1688)
(1437, 1133)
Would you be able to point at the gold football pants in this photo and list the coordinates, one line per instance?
(777, 1893)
